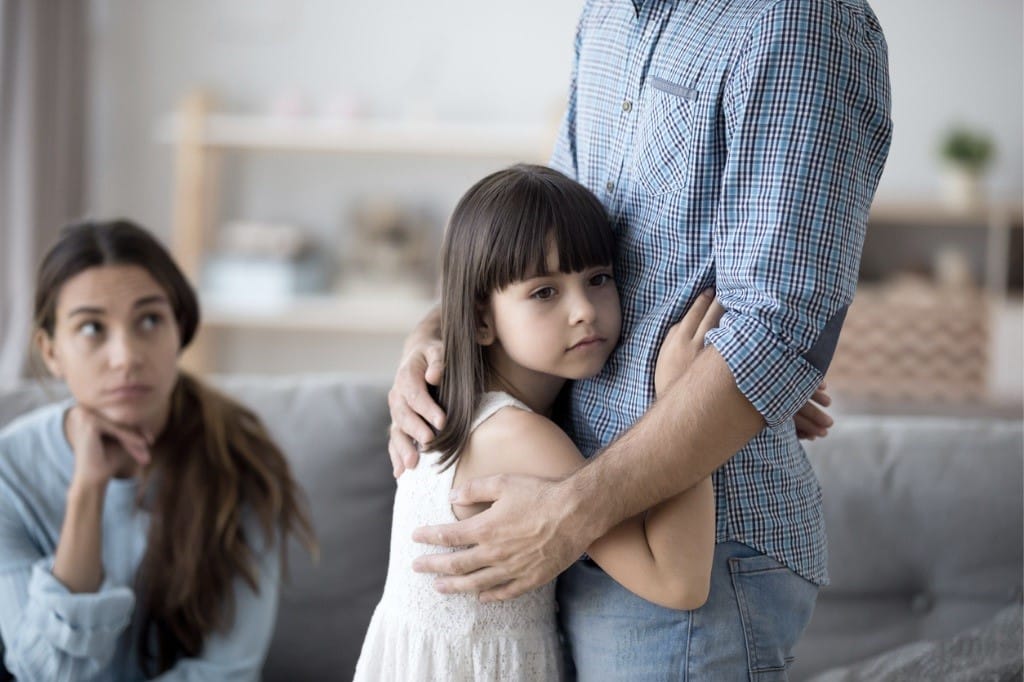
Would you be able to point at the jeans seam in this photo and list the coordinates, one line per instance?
(686, 649)
(741, 602)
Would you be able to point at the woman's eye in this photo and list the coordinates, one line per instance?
(543, 293)
(600, 278)
(90, 329)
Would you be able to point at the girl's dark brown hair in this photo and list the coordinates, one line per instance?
(217, 475)
(499, 234)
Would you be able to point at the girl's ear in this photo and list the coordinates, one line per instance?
(48, 353)
(485, 326)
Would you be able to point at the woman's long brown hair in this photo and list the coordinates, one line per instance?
(221, 490)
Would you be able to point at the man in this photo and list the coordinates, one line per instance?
(735, 144)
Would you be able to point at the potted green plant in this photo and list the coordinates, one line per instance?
(966, 154)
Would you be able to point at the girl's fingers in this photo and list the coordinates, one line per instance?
(711, 319)
(808, 428)
(693, 317)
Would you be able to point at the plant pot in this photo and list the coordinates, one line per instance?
(961, 189)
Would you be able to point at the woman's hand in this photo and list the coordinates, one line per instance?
(685, 340)
(102, 448)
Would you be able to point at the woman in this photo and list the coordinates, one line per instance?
(143, 521)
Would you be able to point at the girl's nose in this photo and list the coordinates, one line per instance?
(583, 310)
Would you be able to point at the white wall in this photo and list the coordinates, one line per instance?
(953, 61)
(452, 58)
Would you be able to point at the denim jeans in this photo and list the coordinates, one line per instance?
(755, 614)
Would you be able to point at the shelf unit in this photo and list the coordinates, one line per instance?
(919, 344)
(202, 136)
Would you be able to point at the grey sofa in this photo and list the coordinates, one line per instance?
(924, 519)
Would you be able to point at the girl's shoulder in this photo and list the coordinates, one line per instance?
(516, 440)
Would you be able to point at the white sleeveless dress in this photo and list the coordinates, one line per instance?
(418, 634)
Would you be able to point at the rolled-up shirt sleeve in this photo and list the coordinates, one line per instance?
(51, 633)
(808, 129)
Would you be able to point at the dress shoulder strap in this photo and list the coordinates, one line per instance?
(491, 402)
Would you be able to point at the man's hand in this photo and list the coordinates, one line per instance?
(533, 531)
(414, 414)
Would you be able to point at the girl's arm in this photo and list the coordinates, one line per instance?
(663, 556)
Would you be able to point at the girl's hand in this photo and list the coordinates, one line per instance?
(812, 421)
(102, 448)
(685, 339)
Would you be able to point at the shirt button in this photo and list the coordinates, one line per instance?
(610, 186)
(627, 106)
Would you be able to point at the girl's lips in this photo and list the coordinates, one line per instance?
(588, 342)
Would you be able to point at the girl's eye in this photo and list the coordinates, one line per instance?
(600, 278)
(150, 321)
(543, 294)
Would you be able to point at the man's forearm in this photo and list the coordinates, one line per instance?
(692, 430)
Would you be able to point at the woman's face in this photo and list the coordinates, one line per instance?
(115, 344)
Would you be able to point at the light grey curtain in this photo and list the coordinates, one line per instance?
(42, 71)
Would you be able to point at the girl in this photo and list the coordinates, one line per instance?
(528, 302)
(142, 521)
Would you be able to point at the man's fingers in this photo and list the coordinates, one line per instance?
(435, 364)
(400, 448)
(454, 564)
(477, 490)
(509, 590)
(458, 534)
(423, 406)
(407, 420)
(710, 320)
(821, 397)
(476, 582)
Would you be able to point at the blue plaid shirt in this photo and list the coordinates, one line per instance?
(736, 145)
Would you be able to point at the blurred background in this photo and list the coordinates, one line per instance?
(300, 158)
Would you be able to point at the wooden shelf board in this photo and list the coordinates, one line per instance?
(369, 315)
(230, 131)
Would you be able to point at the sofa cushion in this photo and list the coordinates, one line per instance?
(924, 522)
(991, 651)
(334, 430)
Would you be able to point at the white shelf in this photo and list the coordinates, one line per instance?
(937, 214)
(387, 314)
(232, 131)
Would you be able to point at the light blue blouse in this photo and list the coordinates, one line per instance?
(52, 634)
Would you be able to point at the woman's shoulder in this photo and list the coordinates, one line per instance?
(32, 430)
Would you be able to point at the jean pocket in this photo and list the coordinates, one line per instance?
(661, 157)
(775, 606)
